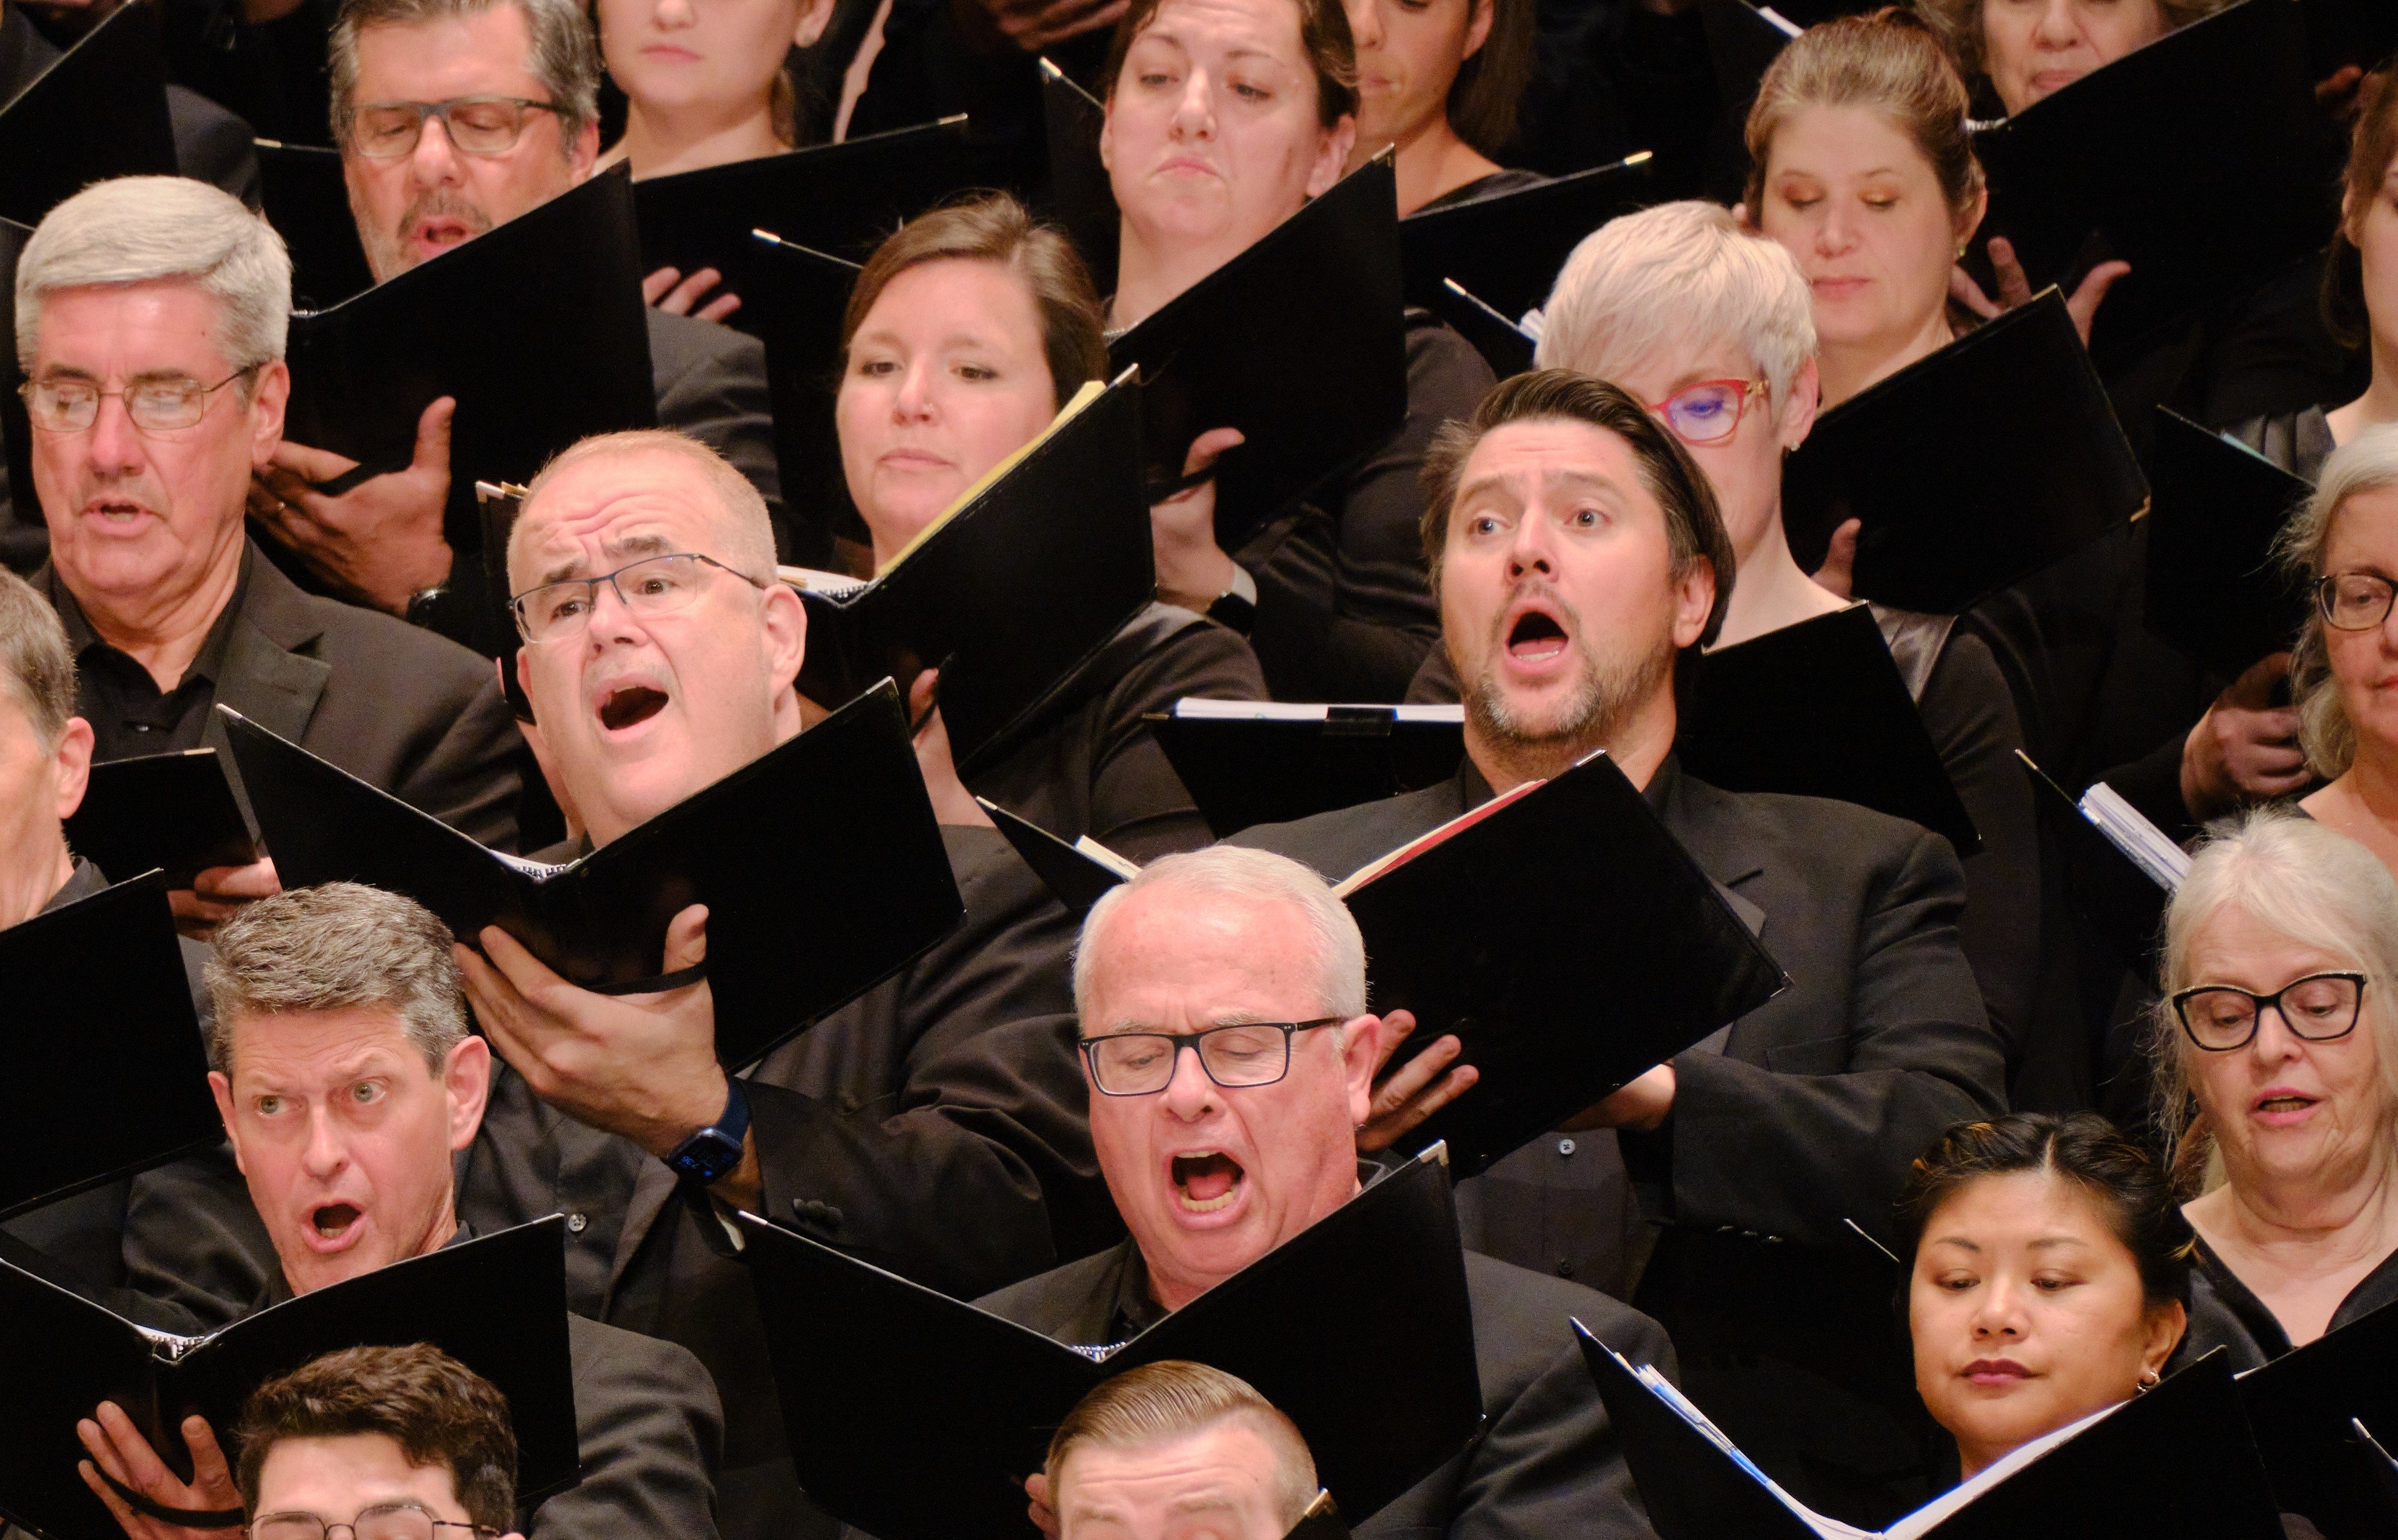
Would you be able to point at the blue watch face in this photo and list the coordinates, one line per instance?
(706, 1155)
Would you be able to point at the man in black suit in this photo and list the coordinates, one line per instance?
(158, 308)
(1211, 1176)
(1578, 555)
(347, 1077)
(383, 543)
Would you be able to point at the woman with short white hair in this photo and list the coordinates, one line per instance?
(2276, 1051)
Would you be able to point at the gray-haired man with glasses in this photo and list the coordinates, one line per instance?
(1221, 996)
(454, 116)
(151, 318)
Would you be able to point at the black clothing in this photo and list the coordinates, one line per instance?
(2225, 1313)
(1799, 1118)
(1547, 1462)
(404, 711)
(129, 716)
(1505, 180)
(211, 144)
(1345, 611)
(1095, 768)
(2297, 442)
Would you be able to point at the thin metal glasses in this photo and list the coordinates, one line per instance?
(656, 585)
(1240, 1054)
(2321, 1007)
(402, 1521)
(162, 404)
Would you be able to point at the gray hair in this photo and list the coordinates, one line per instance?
(565, 54)
(2303, 881)
(154, 229)
(1676, 272)
(2367, 462)
(36, 664)
(338, 946)
(1254, 877)
(747, 523)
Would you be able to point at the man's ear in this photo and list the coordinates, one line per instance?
(1797, 418)
(1363, 1042)
(1331, 155)
(221, 1088)
(583, 153)
(270, 393)
(1695, 597)
(73, 757)
(786, 635)
(466, 1078)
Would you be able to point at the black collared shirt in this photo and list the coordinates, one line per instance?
(2224, 1312)
(129, 715)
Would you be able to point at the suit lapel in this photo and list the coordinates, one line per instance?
(653, 1191)
(267, 678)
(1709, 826)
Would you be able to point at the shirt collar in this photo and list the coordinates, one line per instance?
(1657, 793)
(209, 663)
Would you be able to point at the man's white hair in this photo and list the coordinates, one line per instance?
(1256, 877)
(1676, 273)
(151, 229)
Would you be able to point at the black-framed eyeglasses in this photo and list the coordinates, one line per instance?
(2355, 602)
(2321, 1007)
(401, 1520)
(1236, 1055)
(475, 125)
(162, 405)
(654, 585)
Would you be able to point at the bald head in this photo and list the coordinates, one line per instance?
(651, 462)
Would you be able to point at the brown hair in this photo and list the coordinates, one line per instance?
(2129, 1188)
(1323, 33)
(1694, 527)
(1959, 24)
(1174, 1398)
(1890, 61)
(437, 1409)
(2370, 150)
(994, 227)
(1490, 85)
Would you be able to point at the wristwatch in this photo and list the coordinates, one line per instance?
(1236, 608)
(711, 1154)
(424, 603)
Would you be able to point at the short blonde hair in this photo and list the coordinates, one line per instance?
(1675, 272)
(2365, 464)
(750, 527)
(2303, 881)
(1174, 1398)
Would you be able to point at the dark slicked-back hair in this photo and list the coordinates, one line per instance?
(1694, 526)
(1323, 33)
(437, 1409)
(2132, 1190)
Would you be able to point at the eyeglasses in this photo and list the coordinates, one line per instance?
(656, 585)
(1245, 1053)
(156, 406)
(2321, 1007)
(383, 1521)
(2355, 601)
(1709, 411)
(475, 125)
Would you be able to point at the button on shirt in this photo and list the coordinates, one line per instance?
(129, 715)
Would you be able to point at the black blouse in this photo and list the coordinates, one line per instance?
(2226, 1313)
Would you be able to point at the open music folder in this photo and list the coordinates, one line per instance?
(497, 1303)
(2305, 1408)
(99, 112)
(915, 1416)
(174, 812)
(820, 863)
(2214, 587)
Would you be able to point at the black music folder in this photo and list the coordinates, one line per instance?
(1079, 196)
(24, 538)
(801, 295)
(2176, 1462)
(1010, 592)
(537, 327)
(1820, 710)
(1252, 762)
(99, 1022)
(2121, 870)
(1994, 458)
(308, 203)
(99, 112)
(842, 198)
(1658, 958)
(2218, 170)
(820, 863)
(1507, 246)
(1299, 341)
(2215, 590)
(1743, 42)
(497, 1303)
(172, 811)
(1503, 343)
(2304, 1408)
(915, 1416)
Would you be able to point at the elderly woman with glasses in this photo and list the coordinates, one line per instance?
(2277, 1078)
(2344, 547)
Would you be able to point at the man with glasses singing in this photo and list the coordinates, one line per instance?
(347, 1076)
(151, 316)
(454, 116)
(1230, 1056)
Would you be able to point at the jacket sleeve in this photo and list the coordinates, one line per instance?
(1825, 1132)
(651, 1434)
(472, 771)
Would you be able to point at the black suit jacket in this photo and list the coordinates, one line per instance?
(711, 384)
(1546, 1463)
(401, 708)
